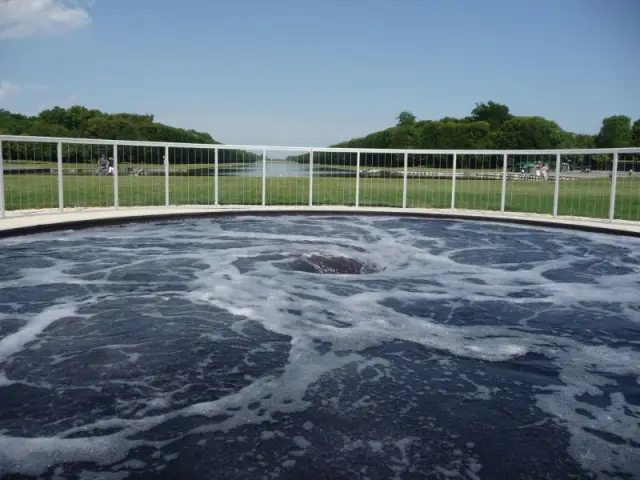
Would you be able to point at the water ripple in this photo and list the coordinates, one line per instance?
(459, 350)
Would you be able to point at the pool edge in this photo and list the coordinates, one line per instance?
(21, 224)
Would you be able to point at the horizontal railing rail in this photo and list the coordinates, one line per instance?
(221, 146)
(45, 173)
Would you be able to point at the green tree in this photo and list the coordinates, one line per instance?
(521, 133)
(463, 135)
(578, 140)
(615, 132)
(81, 122)
(635, 130)
(406, 118)
(495, 114)
(404, 135)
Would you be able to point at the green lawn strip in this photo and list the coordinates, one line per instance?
(588, 198)
(417, 168)
(9, 164)
(19, 164)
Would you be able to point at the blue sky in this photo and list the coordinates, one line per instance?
(285, 72)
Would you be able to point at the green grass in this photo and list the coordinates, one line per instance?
(8, 164)
(587, 198)
(151, 166)
(418, 168)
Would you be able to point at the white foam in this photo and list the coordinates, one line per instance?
(33, 456)
(14, 343)
(301, 442)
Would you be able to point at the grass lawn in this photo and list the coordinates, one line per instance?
(152, 166)
(418, 168)
(8, 164)
(588, 198)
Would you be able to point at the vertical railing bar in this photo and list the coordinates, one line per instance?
(216, 178)
(357, 179)
(60, 177)
(166, 176)
(311, 178)
(453, 181)
(614, 178)
(556, 185)
(116, 195)
(503, 194)
(404, 179)
(264, 177)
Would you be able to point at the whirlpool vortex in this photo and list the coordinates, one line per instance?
(326, 347)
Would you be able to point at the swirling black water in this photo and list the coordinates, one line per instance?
(201, 349)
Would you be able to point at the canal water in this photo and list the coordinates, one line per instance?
(282, 169)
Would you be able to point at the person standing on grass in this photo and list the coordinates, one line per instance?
(538, 168)
(545, 172)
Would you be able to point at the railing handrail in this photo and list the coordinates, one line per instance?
(282, 148)
(454, 161)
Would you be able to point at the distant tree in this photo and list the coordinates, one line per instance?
(635, 130)
(578, 140)
(615, 132)
(495, 114)
(404, 135)
(523, 133)
(453, 135)
(490, 125)
(79, 121)
(406, 118)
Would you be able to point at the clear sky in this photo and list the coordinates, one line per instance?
(299, 72)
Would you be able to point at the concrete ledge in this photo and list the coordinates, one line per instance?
(37, 221)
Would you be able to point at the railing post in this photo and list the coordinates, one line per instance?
(453, 182)
(357, 178)
(503, 195)
(311, 178)
(264, 177)
(116, 196)
(166, 175)
(556, 186)
(404, 179)
(216, 195)
(2, 204)
(60, 177)
(614, 178)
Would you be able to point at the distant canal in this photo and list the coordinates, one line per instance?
(282, 169)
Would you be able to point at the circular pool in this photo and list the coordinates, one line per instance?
(320, 347)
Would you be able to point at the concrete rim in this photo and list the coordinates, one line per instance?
(31, 222)
(21, 223)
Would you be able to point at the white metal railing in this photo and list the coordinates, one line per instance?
(451, 179)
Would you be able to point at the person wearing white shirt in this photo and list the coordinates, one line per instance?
(545, 172)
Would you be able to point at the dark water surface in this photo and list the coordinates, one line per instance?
(227, 349)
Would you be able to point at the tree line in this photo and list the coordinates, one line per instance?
(81, 122)
(489, 126)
